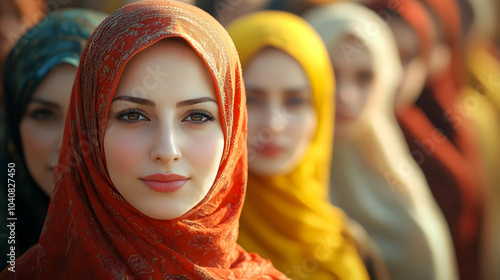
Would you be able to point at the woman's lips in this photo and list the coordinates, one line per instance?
(164, 183)
(344, 118)
(271, 150)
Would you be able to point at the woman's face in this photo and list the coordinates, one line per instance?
(42, 124)
(281, 117)
(353, 66)
(164, 140)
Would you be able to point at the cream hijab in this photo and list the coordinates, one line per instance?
(374, 177)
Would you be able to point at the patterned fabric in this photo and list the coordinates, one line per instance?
(91, 232)
(288, 217)
(58, 39)
(374, 178)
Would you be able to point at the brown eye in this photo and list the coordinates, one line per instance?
(133, 117)
(130, 116)
(197, 118)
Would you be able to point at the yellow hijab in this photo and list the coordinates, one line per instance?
(374, 177)
(287, 218)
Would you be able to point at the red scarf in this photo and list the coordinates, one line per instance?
(91, 232)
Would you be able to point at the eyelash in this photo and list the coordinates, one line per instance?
(208, 117)
(42, 114)
(121, 117)
(297, 101)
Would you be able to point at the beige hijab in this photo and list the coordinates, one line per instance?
(374, 177)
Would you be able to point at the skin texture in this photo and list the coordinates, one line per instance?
(165, 138)
(281, 118)
(353, 66)
(42, 125)
(414, 67)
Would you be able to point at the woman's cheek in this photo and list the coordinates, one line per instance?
(38, 144)
(116, 142)
(203, 151)
(303, 126)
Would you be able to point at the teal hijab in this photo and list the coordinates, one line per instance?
(57, 39)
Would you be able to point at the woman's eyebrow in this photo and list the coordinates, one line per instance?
(137, 100)
(296, 90)
(195, 101)
(148, 102)
(44, 102)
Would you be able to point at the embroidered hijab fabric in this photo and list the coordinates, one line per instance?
(374, 178)
(58, 39)
(287, 218)
(91, 232)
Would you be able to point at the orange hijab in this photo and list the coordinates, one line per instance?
(91, 231)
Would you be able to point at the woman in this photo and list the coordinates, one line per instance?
(152, 173)
(39, 75)
(374, 179)
(442, 139)
(287, 217)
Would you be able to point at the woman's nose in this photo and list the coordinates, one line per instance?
(166, 149)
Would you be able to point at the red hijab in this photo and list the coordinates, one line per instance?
(91, 231)
(439, 138)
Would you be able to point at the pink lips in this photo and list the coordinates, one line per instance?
(344, 118)
(164, 183)
(271, 150)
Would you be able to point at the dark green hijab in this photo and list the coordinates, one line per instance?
(57, 39)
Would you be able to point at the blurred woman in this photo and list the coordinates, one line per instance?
(374, 179)
(287, 217)
(443, 142)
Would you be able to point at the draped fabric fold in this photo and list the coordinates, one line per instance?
(287, 218)
(91, 231)
(374, 178)
(443, 142)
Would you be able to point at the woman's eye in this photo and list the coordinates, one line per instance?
(43, 114)
(131, 116)
(251, 100)
(296, 101)
(196, 118)
(199, 117)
